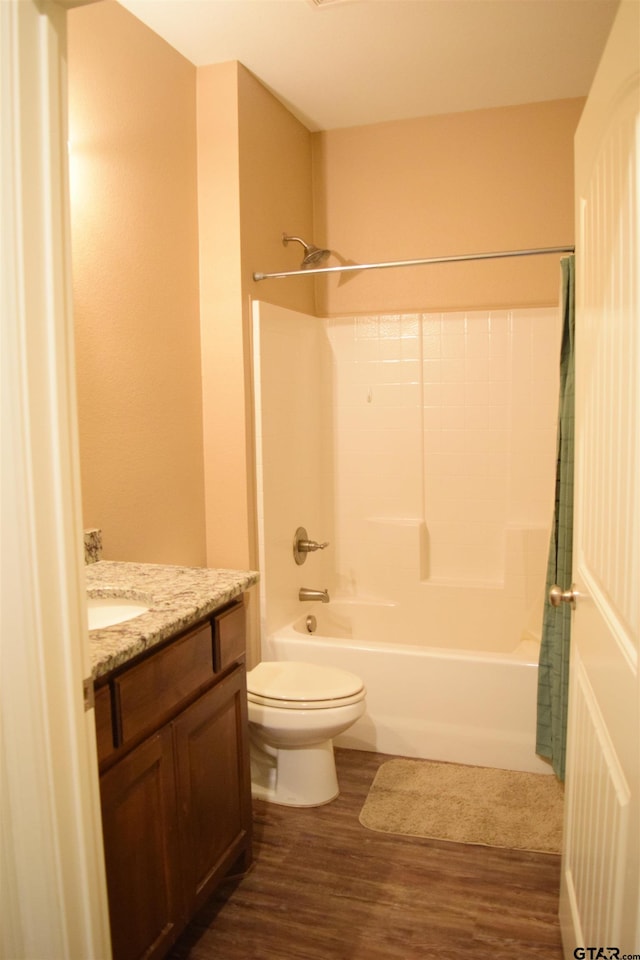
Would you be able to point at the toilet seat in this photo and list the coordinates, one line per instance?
(304, 704)
(294, 685)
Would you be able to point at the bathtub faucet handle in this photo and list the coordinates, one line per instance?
(302, 545)
(309, 546)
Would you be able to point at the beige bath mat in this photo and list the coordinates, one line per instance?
(449, 801)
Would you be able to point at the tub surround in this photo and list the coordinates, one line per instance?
(177, 597)
(436, 437)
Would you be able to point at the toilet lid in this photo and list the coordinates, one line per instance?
(294, 681)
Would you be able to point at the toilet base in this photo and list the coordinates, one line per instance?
(294, 777)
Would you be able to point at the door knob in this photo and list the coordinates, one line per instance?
(557, 596)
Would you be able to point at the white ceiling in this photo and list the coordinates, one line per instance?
(340, 63)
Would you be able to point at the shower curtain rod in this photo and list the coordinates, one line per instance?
(536, 251)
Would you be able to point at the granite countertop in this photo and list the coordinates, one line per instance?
(176, 597)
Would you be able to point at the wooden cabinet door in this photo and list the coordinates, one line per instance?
(141, 856)
(214, 786)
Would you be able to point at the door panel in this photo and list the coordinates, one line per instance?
(600, 877)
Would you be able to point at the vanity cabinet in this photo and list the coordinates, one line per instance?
(174, 779)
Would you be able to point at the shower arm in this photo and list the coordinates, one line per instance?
(353, 268)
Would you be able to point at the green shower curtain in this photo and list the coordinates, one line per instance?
(553, 672)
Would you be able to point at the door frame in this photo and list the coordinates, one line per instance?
(52, 867)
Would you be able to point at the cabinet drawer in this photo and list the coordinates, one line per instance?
(146, 694)
(229, 637)
(104, 723)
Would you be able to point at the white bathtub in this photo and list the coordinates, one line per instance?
(464, 706)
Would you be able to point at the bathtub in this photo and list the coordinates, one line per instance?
(462, 706)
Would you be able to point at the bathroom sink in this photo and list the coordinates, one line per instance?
(107, 611)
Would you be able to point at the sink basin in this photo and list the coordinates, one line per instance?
(107, 611)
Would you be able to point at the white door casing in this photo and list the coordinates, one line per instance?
(600, 871)
(52, 888)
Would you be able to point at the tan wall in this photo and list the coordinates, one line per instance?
(221, 317)
(461, 183)
(135, 274)
(486, 180)
(254, 182)
(276, 195)
(254, 169)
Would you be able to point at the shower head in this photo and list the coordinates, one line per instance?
(313, 256)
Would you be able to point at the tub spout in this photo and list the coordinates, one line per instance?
(307, 594)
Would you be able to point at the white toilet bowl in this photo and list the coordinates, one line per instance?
(295, 711)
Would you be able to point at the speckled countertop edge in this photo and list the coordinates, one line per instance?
(176, 597)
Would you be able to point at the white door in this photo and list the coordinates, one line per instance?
(599, 904)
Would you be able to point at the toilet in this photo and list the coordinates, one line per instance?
(295, 711)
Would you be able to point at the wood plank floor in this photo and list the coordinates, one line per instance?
(325, 888)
